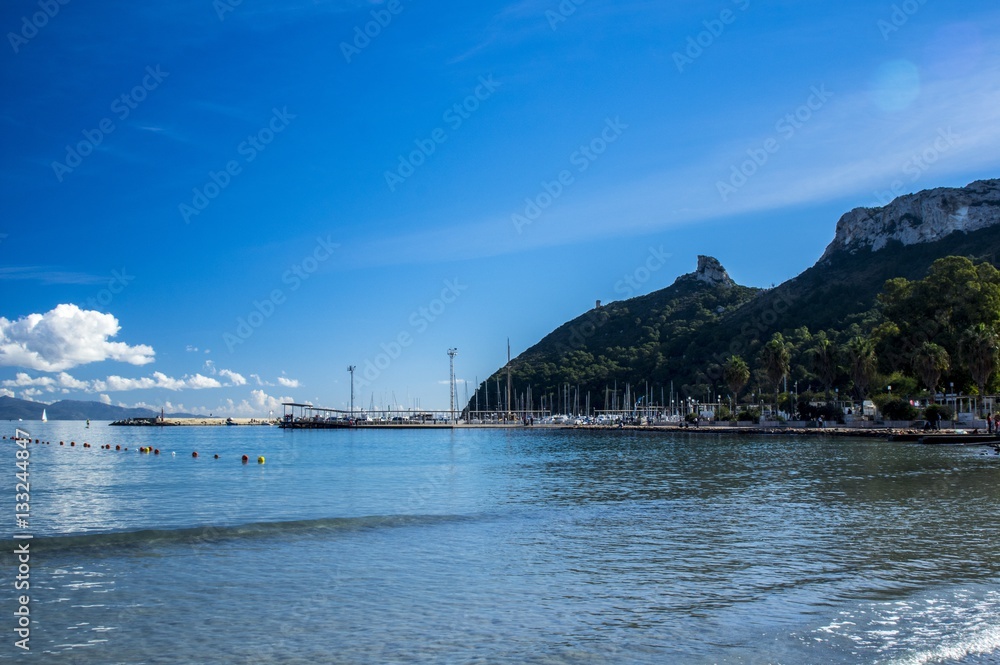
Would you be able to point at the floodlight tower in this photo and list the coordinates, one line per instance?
(451, 361)
(351, 368)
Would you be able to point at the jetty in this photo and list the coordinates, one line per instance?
(307, 416)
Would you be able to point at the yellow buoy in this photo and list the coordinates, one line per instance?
(260, 460)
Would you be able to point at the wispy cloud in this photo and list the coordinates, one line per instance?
(850, 149)
(49, 275)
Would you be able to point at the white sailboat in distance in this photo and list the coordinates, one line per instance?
(45, 418)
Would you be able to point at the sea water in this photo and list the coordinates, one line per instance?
(500, 546)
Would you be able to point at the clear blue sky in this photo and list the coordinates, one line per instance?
(345, 176)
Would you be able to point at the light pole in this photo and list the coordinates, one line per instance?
(351, 368)
(451, 361)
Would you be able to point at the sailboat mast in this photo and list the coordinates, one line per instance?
(508, 374)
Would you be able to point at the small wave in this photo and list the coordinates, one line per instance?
(981, 643)
(206, 534)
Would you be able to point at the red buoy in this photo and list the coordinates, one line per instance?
(194, 454)
(245, 459)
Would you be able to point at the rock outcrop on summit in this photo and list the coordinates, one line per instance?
(926, 216)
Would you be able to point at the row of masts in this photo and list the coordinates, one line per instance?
(569, 400)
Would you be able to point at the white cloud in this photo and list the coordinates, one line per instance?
(105, 398)
(4, 392)
(67, 381)
(199, 382)
(66, 337)
(22, 379)
(235, 378)
(264, 402)
(288, 383)
(191, 349)
(115, 383)
(157, 380)
(258, 405)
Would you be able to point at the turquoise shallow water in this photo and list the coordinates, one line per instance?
(522, 546)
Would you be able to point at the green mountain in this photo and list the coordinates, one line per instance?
(681, 335)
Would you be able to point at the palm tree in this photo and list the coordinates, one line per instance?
(862, 363)
(737, 373)
(980, 349)
(823, 358)
(776, 359)
(930, 361)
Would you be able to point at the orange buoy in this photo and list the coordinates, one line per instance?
(118, 447)
(72, 443)
(194, 454)
(245, 459)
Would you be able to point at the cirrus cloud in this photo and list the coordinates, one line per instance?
(66, 337)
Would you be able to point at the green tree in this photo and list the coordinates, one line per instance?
(930, 361)
(775, 358)
(737, 373)
(955, 295)
(981, 353)
(862, 363)
(823, 361)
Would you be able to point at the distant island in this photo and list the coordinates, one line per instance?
(22, 409)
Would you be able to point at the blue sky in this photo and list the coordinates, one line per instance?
(215, 206)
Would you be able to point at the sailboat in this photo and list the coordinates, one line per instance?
(45, 418)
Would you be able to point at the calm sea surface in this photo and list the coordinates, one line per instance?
(491, 546)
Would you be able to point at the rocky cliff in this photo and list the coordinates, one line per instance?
(926, 216)
(709, 271)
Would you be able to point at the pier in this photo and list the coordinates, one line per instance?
(307, 416)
